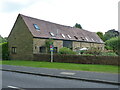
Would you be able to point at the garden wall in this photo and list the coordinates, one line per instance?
(103, 60)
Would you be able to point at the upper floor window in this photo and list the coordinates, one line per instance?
(36, 27)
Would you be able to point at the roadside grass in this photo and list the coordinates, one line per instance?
(66, 66)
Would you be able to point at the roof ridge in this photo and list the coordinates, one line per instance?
(46, 21)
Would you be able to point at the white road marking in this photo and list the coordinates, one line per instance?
(13, 87)
(67, 73)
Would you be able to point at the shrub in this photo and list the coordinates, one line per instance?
(5, 53)
(65, 50)
(114, 44)
(108, 54)
(93, 51)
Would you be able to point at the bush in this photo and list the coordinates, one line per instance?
(93, 51)
(114, 44)
(5, 53)
(108, 54)
(65, 50)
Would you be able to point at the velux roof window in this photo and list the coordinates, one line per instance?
(86, 38)
(92, 39)
(69, 36)
(36, 26)
(63, 35)
(75, 37)
(52, 34)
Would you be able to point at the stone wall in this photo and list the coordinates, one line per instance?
(38, 42)
(22, 39)
(87, 45)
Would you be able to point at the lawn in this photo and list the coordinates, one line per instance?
(67, 66)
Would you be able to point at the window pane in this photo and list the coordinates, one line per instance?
(42, 50)
(36, 27)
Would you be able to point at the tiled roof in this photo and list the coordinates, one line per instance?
(57, 31)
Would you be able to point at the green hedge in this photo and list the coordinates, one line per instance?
(5, 53)
(103, 60)
(65, 50)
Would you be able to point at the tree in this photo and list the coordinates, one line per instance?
(48, 43)
(100, 34)
(5, 53)
(2, 40)
(78, 26)
(114, 44)
(110, 34)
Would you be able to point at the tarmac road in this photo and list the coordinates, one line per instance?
(20, 80)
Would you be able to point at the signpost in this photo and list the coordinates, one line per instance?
(51, 50)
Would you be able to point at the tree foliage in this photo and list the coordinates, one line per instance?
(114, 44)
(5, 53)
(48, 42)
(78, 26)
(110, 34)
(2, 40)
(100, 34)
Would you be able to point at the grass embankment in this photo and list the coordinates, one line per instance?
(67, 66)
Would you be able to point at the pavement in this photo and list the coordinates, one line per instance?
(66, 74)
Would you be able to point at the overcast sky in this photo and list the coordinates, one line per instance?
(93, 15)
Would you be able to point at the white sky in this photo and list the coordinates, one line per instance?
(93, 15)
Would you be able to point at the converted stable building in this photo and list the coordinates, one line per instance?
(28, 37)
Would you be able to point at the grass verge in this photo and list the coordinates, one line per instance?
(67, 66)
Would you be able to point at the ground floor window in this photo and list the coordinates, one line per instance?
(55, 49)
(13, 50)
(42, 49)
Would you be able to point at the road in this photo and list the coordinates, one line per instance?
(19, 80)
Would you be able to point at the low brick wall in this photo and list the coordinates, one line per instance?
(103, 60)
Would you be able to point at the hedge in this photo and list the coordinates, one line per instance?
(81, 59)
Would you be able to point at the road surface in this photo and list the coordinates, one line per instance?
(19, 80)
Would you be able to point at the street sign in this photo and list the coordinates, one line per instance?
(51, 50)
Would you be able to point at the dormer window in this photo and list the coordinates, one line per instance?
(63, 35)
(69, 36)
(52, 34)
(36, 27)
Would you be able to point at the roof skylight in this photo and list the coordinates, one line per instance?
(76, 37)
(82, 38)
(63, 35)
(86, 38)
(69, 36)
(52, 34)
(92, 39)
(36, 27)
